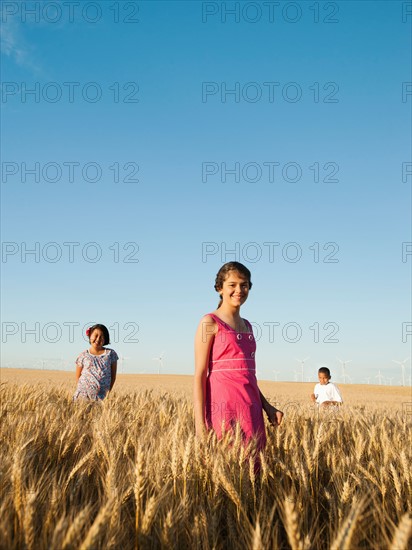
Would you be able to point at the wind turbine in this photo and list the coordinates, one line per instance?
(276, 372)
(122, 360)
(160, 359)
(367, 380)
(344, 363)
(302, 362)
(402, 364)
(295, 377)
(66, 363)
(390, 380)
(379, 377)
(45, 364)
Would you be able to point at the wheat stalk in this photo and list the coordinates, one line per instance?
(94, 531)
(185, 462)
(148, 515)
(75, 528)
(396, 480)
(291, 524)
(257, 537)
(231, 491)
(28, 523)
(77, 467)
(346, 491)
(345, 534)
(167, 528)
(175, 457)
(402, 533)
(138, 486)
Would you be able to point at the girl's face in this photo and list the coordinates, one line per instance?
(323, 378)
(235, 289)
(97, 338)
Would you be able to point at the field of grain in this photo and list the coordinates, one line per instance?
(285, 394)
(128, 473)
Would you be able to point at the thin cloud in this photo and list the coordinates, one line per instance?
(14, 46)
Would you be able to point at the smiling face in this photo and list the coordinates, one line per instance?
(323, 378)
(235, 289)
(97, 339)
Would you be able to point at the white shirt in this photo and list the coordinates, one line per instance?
(327, 392)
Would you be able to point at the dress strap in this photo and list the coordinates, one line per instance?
(219, 320)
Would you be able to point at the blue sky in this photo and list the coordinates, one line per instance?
(190, 136)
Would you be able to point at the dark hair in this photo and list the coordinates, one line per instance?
(325, 370)
(104, 330)
(225, 270)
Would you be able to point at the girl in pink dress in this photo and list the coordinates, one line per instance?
(225, 385)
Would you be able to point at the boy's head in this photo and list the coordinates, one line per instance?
(324, 375)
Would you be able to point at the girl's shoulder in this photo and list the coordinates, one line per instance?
(81, 357)
(211, 314)
(214, 321)
(209, 319)
(112, 353)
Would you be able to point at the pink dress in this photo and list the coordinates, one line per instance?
(232, 393)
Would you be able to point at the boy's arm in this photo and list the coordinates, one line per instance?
(314, 395)
(334, 395)
(338, 397)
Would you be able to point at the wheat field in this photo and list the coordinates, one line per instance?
(128, 473)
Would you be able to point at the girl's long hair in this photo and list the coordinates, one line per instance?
(223, 273)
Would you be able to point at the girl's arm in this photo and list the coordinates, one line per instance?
(114, 372)
(78, 372)
(274, 415)
(203, 342)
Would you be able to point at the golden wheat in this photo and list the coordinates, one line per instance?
(129, 473)
(402, 534)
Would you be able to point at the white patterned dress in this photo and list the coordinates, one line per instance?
(96, 376)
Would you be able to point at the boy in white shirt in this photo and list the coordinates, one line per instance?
(326, 393)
